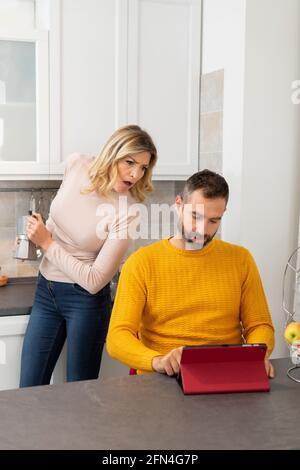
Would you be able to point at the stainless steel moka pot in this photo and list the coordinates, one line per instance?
(25, 248)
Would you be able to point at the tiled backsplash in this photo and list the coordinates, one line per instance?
(164, 193)
(13, 204)
(211, 121)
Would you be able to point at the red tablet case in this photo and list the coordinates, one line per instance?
(223, 369)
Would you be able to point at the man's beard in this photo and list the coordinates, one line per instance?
(196, 240)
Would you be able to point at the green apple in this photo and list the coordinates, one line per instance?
(292, 332)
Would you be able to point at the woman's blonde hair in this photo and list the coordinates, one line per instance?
(124, 142)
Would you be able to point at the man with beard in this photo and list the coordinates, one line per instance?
(190, 289)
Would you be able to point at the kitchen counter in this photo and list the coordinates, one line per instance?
(16, 298)
(150, 412)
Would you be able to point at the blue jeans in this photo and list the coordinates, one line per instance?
(63, 310)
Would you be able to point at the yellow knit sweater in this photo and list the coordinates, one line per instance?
(170, 297)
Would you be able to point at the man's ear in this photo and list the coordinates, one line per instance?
(178, 200)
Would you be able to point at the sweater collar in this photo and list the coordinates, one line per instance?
(190, 253)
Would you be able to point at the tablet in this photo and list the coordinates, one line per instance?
(224, 368)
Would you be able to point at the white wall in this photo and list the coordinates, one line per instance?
(257, 43)
(224, 48)
(271, 148)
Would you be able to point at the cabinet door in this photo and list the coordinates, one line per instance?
(12, 330)
(125, 62)
(164, 57)
(82, 77)
(24, 103)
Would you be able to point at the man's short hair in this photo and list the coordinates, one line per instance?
(212, 184)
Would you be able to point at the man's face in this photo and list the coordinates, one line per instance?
(199, 218)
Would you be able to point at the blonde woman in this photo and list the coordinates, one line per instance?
(84, 242)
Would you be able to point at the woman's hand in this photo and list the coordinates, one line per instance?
(37, 231)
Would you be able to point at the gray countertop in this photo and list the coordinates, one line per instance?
(16, 298)
(150, 412)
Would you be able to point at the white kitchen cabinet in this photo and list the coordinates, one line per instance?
(12, 331)
(117, 62)
(129, 61)
(163, 79)
(11, 340)
(24, 103)
(83, 77)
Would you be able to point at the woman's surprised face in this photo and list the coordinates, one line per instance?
(130, 170)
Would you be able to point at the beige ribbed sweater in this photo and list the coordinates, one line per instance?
(87, 230)
(171, 297)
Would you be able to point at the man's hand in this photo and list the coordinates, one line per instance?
(269, 369)
(168, 364)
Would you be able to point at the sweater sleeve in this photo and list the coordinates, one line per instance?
(122, 341)
(95, 276)
(254, 312)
